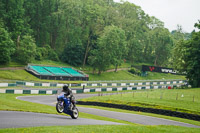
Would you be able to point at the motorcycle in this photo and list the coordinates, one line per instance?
(64, 105)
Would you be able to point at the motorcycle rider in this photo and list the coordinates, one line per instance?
(68, 93)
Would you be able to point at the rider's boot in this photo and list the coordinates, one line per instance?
(73, 106)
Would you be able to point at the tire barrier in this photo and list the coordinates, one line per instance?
(143, 109)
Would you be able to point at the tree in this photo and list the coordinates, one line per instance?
(178, 34)
(63, 24)
(73, 54)
(6, 46)
(44, 19)
(178, 58)
(178, 48)
(117, 35)
(93, 60)
(92, 24)
(27, 50)
(192, 58)
(111, 48)
(15, 19)
(162, 44)
(134, 29)
(187, 57)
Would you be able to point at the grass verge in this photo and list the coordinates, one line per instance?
(104, 129)
(183, 100)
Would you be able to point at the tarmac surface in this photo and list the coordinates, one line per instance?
(15, 119)
(134, 118)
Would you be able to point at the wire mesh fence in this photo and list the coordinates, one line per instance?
(159, 94)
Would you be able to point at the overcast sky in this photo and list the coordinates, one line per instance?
(172, 12)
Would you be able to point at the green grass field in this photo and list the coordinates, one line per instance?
(104, 129)
(184, 100)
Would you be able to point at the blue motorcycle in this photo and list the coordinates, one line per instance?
(64, 105)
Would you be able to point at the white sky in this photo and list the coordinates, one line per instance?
(172, 12)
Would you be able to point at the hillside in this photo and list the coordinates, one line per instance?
(10, 72)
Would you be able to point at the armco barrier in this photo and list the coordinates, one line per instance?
(42, 91)
(137, 83)
(15, 91)
(142, 109)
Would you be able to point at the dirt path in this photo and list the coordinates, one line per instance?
(21, 68)
(12, 68)
(112, 70)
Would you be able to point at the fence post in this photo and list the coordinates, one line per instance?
(161, 95)
(193, 98)
(177, 96)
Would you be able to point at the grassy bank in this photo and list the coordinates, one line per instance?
(105, 129)
(125, 75)
(12, 64)
(183, 100)
(23, 75)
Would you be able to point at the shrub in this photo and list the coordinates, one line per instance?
(135, 71)
(6, 46)
(27, 50)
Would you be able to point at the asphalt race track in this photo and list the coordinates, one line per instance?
(14, 119)
(134, 118)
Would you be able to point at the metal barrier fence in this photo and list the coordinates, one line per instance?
(99, 84)
(103, 89)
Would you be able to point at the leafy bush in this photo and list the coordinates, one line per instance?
(73, 54)
(132, 70)
(6, 46)
(39, 53)
(52, 55)
(46, 53)
(27, 50)
(135, 71)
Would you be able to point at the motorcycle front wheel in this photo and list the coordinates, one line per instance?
(59, 107)
(75, 113)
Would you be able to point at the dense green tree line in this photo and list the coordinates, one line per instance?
(58, 27)
(186, 56)
(98, 33)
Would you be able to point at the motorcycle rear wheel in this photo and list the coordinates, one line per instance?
(59, 107)
(75, 113)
